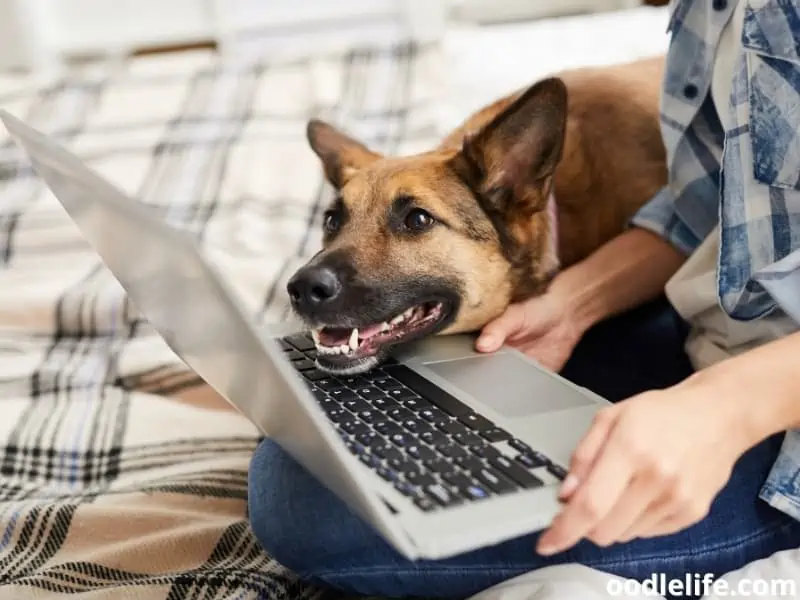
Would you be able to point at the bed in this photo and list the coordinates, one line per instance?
(119, 476)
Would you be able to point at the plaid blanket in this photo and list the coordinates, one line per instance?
(120, 476)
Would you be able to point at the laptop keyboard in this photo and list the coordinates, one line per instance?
(428, 444)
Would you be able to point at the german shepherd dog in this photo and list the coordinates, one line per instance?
(443, 241)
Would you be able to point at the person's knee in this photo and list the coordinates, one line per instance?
(274, 483)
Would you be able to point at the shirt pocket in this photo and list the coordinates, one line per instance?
(773, 87)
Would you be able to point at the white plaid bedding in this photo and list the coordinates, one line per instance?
(119, 476)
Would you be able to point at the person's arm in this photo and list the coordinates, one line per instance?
(630, 270)
(761, 385)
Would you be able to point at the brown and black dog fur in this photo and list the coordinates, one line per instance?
(589, 135)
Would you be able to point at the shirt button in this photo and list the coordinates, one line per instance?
(690, 91)
(719, 4)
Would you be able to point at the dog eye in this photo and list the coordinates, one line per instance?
(331, 222)
(418, 220)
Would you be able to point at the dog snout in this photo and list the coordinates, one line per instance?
(313, 288)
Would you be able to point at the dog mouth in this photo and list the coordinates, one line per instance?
(347, 348)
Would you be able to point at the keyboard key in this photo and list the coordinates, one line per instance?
(321, 395)
(495, 481)
(405, 488)
(385, 404)
(442, 495)
(400, 393)
(434, 438)
(387, 427)
(369, 416)
(328, 383)
(420, 479)
(427, 389)
(425, 503)
(339, 415)
(285, 346)
(300, 341)
(520, 446)
(369, 392)
(370, 439)
(458, 480)
(531, 461)
(403, 465)
(452, 451)
(473, 464)
(440, 466)
(369, 460)
(452, 427)
(556, 470)
(354, 382)
(342, 394)
(355, 427)
(294, 354)
(388, 452)
(468, 439)
(433, 415)
(416, 404)
(421, 452)
(386, 383)
(476, 422)
(312, 354)
(512, 470)
(400, 439)
(417, 426)
(496, 435)
(304, 364)
(356, 405)
(400, 414)
(388, 474)
(485, 451)
(475, 492)
(314, 374)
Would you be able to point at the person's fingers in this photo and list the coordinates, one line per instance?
(587, 450)
(496, 332)
(607, 484)
(659, 510)
(622, 518)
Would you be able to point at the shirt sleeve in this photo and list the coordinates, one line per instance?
(660, 217)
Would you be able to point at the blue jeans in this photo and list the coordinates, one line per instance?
(307, 529)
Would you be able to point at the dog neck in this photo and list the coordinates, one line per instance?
(550, 261)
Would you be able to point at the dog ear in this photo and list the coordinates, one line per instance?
(341, 155)
(510, 158)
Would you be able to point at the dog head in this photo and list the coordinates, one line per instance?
(439, 242)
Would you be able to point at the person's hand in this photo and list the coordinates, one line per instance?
(650, 465)
(541, 327)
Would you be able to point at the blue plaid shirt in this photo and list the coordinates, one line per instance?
(752, 189)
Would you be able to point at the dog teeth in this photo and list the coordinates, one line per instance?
(408, 313)
(354, 339)
(315, 337)
(385, 327)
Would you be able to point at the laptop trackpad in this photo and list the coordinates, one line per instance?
(508, 384)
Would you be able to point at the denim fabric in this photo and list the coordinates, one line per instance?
(310, 531)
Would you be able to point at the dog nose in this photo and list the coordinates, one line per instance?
(313, 287)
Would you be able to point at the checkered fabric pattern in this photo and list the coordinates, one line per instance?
(120, 476)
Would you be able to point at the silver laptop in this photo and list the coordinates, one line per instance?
(442, 450)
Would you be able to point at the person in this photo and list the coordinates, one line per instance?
(689, 321)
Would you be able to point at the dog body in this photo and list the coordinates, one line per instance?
(443, 241)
